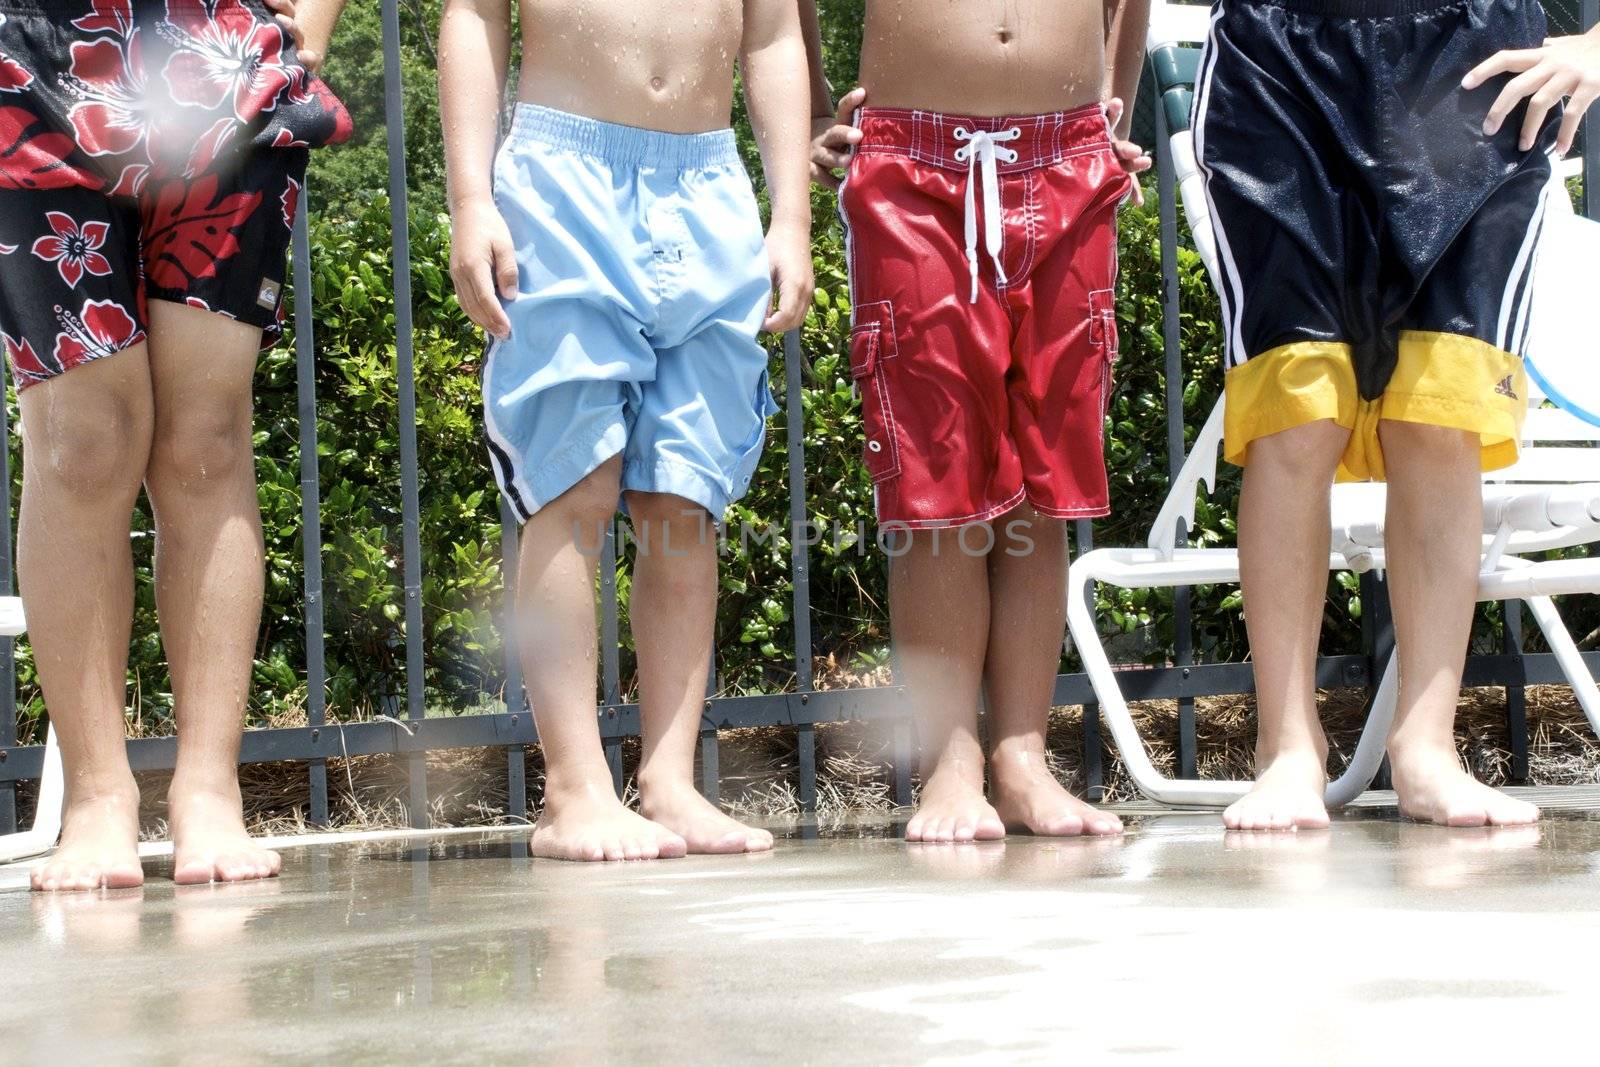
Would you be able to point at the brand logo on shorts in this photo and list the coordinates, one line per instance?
(1504, 388)
(267, 297)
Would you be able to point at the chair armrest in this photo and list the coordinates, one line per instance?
(1199, 466)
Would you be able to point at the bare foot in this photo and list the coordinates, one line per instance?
(209, 841)
(705, 827)
(99, 845)
(590, 823)
(1288, 795)
(1434, 787)
(1028, 798)
(953, 808)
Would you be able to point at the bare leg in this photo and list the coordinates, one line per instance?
(1283, 557)
(939, 616)
(201, 481)
(582, 818)
(674, 611)
(86, 436)
(1027, 621)
(1434, 533)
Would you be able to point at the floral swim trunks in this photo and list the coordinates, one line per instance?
(149, 149)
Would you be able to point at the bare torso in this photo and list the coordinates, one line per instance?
(983, 57)
(660, 64)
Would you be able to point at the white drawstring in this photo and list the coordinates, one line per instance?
(979, 154)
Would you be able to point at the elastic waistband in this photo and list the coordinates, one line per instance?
(930, 136)
(1362, 9)
(629, 145)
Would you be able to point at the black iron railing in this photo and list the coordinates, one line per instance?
(412, 735)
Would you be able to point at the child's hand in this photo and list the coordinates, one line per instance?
(1564, 66)
(832, 139)
(1134, 160)
(789, 252)
(284, 13)
(483, 265)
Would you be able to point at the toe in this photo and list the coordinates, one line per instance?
(1513, 813)
(963, 830)
(990, 828)
(1104, 824)
(671, 846)
(1064, 826)
(1466, 817)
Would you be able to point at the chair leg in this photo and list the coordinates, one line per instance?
(41, 838)
(1114, 711)
(1566, 652)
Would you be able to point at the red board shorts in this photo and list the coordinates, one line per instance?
(149, 149)
(983, 263)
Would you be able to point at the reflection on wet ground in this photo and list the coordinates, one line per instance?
(1178, 943)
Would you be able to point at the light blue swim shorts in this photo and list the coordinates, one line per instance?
(642, 281)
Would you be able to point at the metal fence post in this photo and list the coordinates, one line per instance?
(1516, 693)
(305, 362)
(1094, 753)
(1182, 622)
(516, 696)
(8, 645)
(1591, 136)
(800, 562)
(610, 669)
(710, 764)
(406, 374)
(1377, 643)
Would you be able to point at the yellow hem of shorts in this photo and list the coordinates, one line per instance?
(1441, 379)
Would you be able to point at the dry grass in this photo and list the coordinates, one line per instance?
(760, 779)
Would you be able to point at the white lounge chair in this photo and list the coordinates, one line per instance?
(1550, 499)
(41, 837)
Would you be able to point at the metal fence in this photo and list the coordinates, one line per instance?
(412, 736)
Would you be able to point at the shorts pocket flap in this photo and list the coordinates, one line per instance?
(871, 338)
(1103, 318)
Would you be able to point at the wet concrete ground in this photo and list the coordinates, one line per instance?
(1376, 940)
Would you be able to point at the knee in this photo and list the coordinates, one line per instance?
(1310, 451)
(97, 449)
(202, 450)
(666, 524)
(590, 504)
(1416, 439)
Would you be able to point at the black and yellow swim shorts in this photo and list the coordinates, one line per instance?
(1376, 246)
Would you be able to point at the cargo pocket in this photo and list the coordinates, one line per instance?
(872, 341)
(1103, 336)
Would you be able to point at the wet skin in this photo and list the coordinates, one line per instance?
(660, 64)
(983, 57)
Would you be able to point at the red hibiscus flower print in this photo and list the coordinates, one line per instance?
(100, 329)
(14, 77)
(26, 365)
(189, 230)
(226, 56)
(33, 155)
(6, 250)
(74, 248)
(113, 115)
(110, 16)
